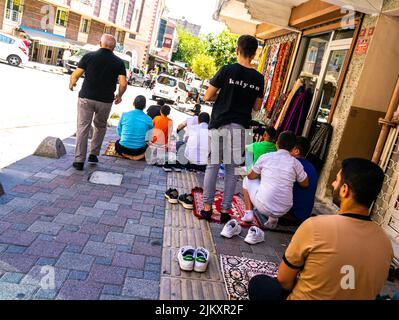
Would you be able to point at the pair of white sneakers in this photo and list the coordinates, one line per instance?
(191, 258)
(232, 228)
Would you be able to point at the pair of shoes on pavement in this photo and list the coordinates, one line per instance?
(80, 165)
(170, 168)
(232, 228)
(191, 258)
(186, 200)
(271, 222)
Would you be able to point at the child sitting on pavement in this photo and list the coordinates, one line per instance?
(257, 149)
(163, 126)
(272, 194)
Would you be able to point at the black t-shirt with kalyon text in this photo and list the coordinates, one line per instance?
(239, 88)
(102, 69)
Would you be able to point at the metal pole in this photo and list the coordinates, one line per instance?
(386, 124)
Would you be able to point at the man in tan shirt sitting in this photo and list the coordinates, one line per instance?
(345, 256)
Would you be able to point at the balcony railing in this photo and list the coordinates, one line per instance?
(13, 15)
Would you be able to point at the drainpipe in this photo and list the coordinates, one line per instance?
(387, 124)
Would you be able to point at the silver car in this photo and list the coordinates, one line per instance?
(137, 77)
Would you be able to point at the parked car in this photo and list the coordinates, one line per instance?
(137, 77)
(169, 88)
(192, 94)
(13, 50)
(74, 60)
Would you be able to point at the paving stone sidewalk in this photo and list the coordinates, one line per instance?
(101, 242)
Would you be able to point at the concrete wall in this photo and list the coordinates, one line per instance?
(73, 25)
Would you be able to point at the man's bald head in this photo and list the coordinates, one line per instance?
(108, 41)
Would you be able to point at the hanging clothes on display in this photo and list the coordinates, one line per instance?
(273, 54)
(319, 146)
(279, 74)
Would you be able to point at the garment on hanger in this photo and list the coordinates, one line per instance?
(270, 71)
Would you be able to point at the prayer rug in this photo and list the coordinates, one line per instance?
(236, 212)
(238, 271)
(111, 152)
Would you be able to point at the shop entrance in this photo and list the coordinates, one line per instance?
(322, 69)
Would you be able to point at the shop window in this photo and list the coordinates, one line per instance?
(120, 35)
(13, 10)
(107, 29)
(85, 25)
(61, 18)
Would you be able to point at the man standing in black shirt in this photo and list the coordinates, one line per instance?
(155, 110)
(237, 89)
(103, 70)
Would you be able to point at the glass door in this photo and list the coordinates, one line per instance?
(324, 85)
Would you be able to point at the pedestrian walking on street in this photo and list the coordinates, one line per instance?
(241, 91)
(65, 57)
(103, 70)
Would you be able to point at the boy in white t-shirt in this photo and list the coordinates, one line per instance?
(272, 194)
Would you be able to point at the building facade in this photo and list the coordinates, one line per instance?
(54, 25)
(194, 29)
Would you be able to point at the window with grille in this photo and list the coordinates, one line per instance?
(13, 10)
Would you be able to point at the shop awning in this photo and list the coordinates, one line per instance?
(256, 17)
(46, 38)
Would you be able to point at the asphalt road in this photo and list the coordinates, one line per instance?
(36, 104)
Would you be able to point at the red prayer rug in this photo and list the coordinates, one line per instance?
(236, 212)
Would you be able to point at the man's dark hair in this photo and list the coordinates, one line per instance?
(271, 132)
(161, 102)
(139, 102)
(197, 109)
(303, 145)
(364, 178)
(247, 45)
(204, 118)
(165, 110)
(286, 140)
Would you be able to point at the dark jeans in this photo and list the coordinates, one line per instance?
(289, 220)
(131, 152)
(263, 287)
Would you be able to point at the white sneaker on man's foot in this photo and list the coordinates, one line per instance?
(248, 217)
(231, 229)
(255, 235)
(271, 223)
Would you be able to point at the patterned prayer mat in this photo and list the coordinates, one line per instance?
(238, 271)
(111, 152)
(236, 212)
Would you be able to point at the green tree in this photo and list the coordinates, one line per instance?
(222, 47)
(204, 67)
(188, 47)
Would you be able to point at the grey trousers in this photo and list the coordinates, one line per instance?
(227, 145)
(87, 109)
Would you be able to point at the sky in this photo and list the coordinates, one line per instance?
(197, 12)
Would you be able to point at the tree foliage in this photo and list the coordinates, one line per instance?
(188, 47)
(222, 47)
(204, 66)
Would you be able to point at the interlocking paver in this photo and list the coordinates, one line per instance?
(12, 291)
(99, 249)
(76, 261)
(45, 227)
(128, 260)
(112, 290)
(141, 288)
(20, 238)
(119, 238)
(108, 274)
(152, 222)
(96, 229)
(76, 238)
(78, 275)
(90, 212)
(147, 249)
(12, 277)
(45, 196)
(121, 200)
(65, 218)
(106, 205)
(80, 290)
(16, 249)
(113, 221)
(17, 262)
(137, 229)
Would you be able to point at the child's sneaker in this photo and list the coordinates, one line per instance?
(248, 217)
(186, 257)
(172, 195)
(255, 235)
(186, 200)
(231, 229)
(271, 223)
(201, 259)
